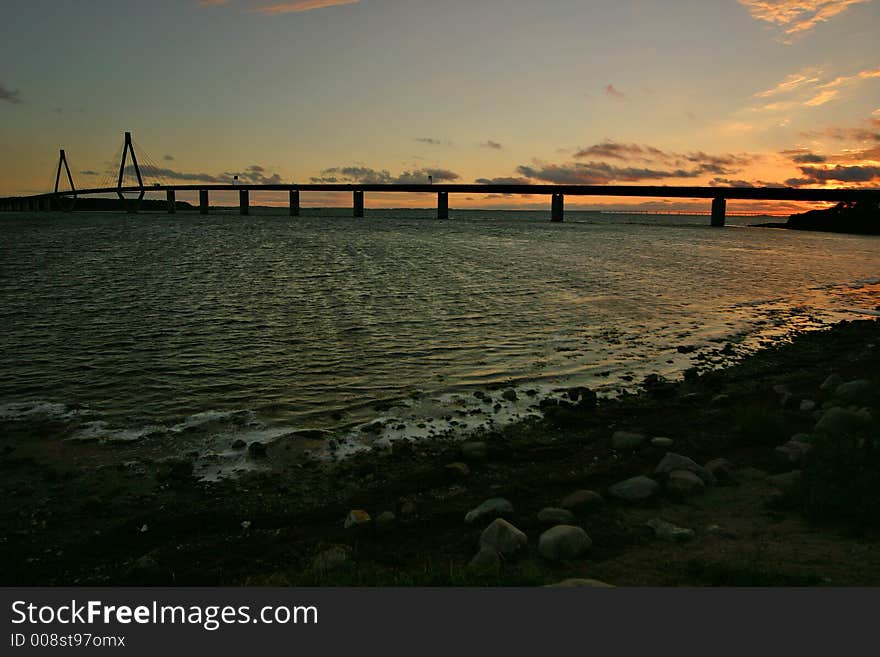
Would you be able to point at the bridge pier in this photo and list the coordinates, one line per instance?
(719, 209)
(171, 201)
(244, 203)
(443, 205)
(203, 201)
(358, 203)
(294, 202)
(557, 208)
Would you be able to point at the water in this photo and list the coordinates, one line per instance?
(185, 332)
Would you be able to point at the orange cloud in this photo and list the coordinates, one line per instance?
(212, 3)
(301, 6)
(795, 17)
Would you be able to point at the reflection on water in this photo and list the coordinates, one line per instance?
(205, 328)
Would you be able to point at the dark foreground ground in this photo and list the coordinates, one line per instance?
(65, 521)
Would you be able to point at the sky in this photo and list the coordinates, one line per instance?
(679, 92)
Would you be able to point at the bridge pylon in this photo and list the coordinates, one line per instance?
(131, 205)
(65, 203)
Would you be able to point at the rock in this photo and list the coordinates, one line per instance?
(838, 421)
(474, 451)
(509, 395)
(456, 471)
(669, 532)
(497, 507)
(802, 438)
(504, 538)
(673, 461)
(563, 542)
(786, 481)
(661, 442)
(786, 400)
(793, 452)
(386, 520)
(331, 559)
(752, 474)
(357, 518)
(684, 483)
(554, 516)
(146, 571)
(487, 560)
(582, 397)
(781, 389)
(627, 440)
(408, 509)
(807, 405)
(257, 450)
(854, 392)
(722, 470)
(720, 400)
(718, 530)
(580, 583)
(582, 499)
(239, 444)
(831, 382)
(634, 489)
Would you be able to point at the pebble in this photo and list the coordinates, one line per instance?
(504, 538)
(662, 442)
(582, 499)
(793, 452)
(357, 518)
(854, 392)
(684, 483)
(673, 461)
(831, 382)
(807, 405)
(563, 542)
(386, 519)
(722, 470)
(457, 470)
(331, 559)
(786, 481)
(257, 450)
(554, 516)
(838, 421)
(634, 489)
(495, 507)
(627, 440)
(668, 532)
(509, 395)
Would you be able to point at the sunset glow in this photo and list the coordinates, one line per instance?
(742, 93)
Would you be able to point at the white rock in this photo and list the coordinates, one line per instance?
(634, 489)
(627, 440)
(673, 461)
(496, 507)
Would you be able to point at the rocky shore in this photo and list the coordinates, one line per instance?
(763, 473)
(857, 218)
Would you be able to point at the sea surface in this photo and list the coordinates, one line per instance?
(188, 333)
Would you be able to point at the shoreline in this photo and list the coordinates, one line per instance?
(153, 523)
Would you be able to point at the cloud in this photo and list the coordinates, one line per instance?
(727, 182)
(168, 158)
(370, 176)
(212, 3)
(431, 141)
(253, 174)
(644, 153)
(839, 173)
(821, 98)
(299, 7)
(792, 82)
(599, 173)
(612, 92)
(9, 95)
(804, 157)
(502, 181)
(492, 144)
(796, 17)
(89, 172)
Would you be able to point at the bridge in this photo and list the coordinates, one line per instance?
(65, 200)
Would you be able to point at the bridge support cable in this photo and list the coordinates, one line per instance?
(131, 205)
(66, 203)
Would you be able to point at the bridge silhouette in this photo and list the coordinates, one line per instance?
(65, 200)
